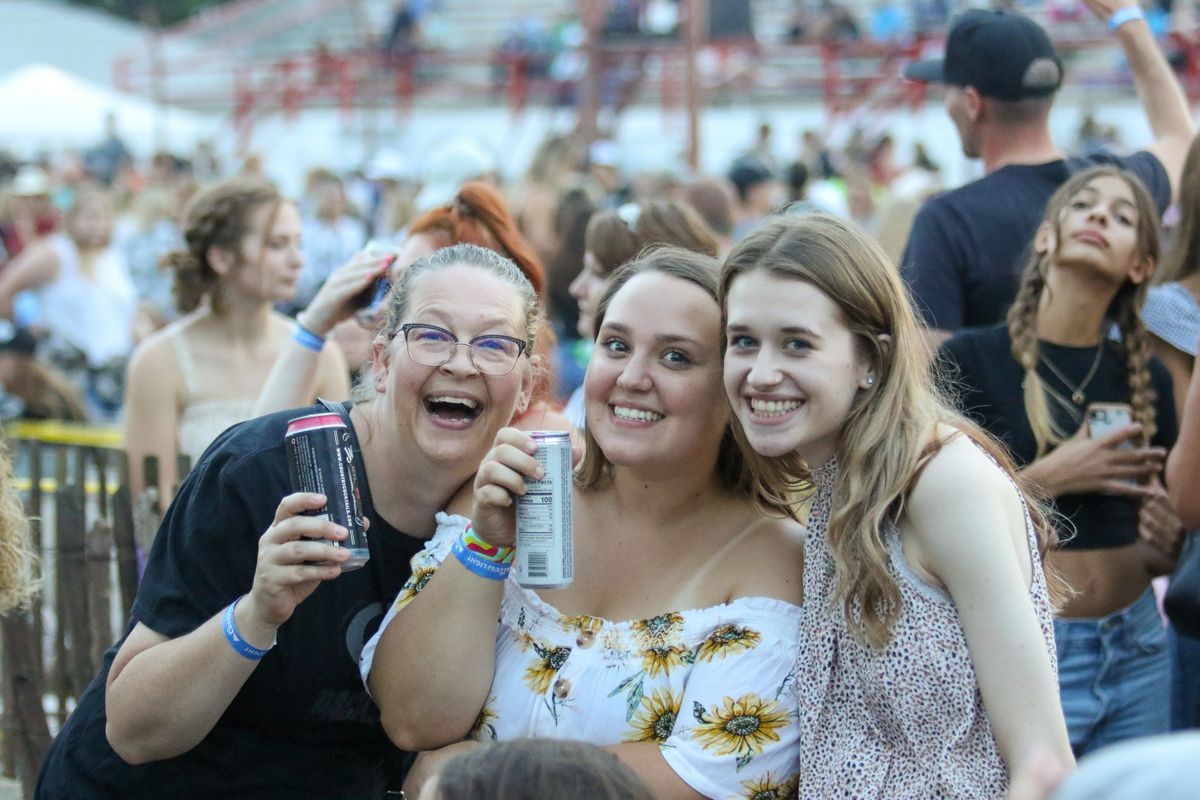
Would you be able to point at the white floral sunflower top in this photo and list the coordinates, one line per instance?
(715, 687)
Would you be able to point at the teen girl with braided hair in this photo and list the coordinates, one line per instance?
(926, 662)
(1074, 344)
(203, 372)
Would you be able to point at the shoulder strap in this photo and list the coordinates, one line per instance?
(183, 355)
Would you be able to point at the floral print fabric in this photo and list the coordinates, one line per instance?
(714, 687)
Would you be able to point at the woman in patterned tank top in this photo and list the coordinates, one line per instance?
(927, 656)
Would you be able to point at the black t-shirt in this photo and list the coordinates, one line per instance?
(968, 246)
(989, 391)
(302, 726)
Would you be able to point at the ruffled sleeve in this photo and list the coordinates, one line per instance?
(737, 732)
(424, 564)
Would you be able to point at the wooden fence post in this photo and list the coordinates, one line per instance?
(26, 718)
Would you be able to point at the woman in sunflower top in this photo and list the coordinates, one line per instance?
(927, 667)
(1038, 383)
(676, 645)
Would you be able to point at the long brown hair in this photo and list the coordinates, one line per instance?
(891, 430)
(1182, 260)
(1124, 311)
(615, 236)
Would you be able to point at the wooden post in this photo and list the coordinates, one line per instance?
(71, 524)
(694, 38)
(146, 515)
(98, 597)
(27, 734)
(123, 537)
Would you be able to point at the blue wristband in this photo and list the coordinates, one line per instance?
(1123, 15)
(307, 339)
(240, 645)
(492, 570)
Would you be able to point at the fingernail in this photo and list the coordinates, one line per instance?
(540, 473)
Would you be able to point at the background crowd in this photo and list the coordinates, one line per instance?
(174, 297)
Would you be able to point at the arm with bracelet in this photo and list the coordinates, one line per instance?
(309, 367)
(430, 666)
(1157, 88)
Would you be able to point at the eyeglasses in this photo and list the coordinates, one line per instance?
(432, 346)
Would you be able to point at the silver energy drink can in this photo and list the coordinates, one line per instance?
(545, 538)
(321, 459)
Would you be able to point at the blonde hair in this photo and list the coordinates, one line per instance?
(890, 432)
(16, 556)
(1124, 311)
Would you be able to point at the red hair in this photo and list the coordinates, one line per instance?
(479, 215)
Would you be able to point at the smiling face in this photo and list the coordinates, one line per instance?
(653, 386)
(792, 367)
(453, 412)
(1098, 231)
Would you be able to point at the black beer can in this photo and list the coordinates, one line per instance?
(321, 459)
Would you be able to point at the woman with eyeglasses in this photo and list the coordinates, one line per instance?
(238, 673)
(477, 215)
(614, 237)
(677, 643)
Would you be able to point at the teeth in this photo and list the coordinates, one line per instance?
(772, 408)
(462, 401)
(636, 414)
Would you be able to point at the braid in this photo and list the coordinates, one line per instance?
(1022, 331)
(1137, 358)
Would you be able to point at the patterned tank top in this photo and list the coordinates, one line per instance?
(906, 721)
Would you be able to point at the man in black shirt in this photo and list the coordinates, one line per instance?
(968, 246)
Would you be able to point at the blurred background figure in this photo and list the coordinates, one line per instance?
(80, 294)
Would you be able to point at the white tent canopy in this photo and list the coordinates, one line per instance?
(43, 108)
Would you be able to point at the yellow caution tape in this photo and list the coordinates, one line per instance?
(58, 432)
(50, 486)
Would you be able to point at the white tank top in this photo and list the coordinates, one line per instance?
(94, 314)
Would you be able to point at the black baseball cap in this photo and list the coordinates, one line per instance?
(996, 52)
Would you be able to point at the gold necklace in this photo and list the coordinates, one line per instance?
(1077, 395)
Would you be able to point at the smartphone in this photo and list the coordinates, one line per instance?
(1106, 418)
(373, 295)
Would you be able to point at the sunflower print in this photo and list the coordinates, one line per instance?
(655, 720)
(658, 660)
(413, 586)
(744, 726)
(727, 639)
(658, 630)
(767, 788)
(546, 664)
(484, 730)
(581, 623)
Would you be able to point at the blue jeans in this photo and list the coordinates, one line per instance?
(1185, 681)
(1114, 675)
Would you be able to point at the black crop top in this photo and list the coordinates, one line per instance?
(988, 386)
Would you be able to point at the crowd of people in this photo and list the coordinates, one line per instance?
(879, 491)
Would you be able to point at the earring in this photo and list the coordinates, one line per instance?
(870, 380)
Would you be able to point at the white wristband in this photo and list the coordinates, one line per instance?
(1123, 15)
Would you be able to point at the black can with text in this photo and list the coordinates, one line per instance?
(322, 459)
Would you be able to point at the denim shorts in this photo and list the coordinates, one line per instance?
(1114, 675)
